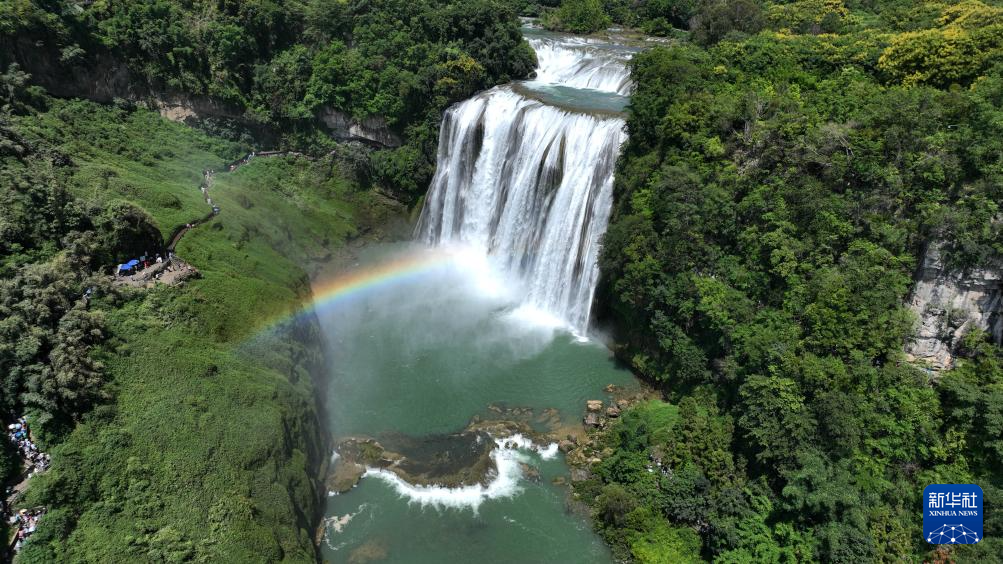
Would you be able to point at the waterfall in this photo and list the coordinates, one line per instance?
(530, 185)
(582, 64)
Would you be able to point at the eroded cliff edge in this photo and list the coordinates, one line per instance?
(949, 304)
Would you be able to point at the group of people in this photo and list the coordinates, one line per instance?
(25, 520)
(142, 263)
(206, 181)
(241, 162)
(20, 435)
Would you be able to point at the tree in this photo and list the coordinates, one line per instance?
(968, 41)
(578, 16)
(716, 19)
(776, 419)
(660, 17)
(614, 504)
(73, 381)
(12, 81)
(811, 16)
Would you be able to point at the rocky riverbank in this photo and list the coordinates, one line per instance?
(583, 452)
(464, 458)
(449, 461)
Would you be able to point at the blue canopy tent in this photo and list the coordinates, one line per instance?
(128, 266)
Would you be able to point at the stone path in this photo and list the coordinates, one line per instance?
(34, 461)
(207, 180)
(174, 271)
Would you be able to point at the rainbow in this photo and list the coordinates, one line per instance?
(365, 281)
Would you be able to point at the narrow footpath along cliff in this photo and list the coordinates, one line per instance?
(204, 440)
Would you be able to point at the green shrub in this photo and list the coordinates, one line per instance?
(578, 16)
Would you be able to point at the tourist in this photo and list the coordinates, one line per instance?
(26, 522)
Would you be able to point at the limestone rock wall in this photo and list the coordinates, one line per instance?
(373, 130)
(106, 78)
(949, 304)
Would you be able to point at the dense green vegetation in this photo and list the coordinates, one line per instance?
(178, 430)
(788, 161)
(577, 16)
(707, 21)
(282, 65)
(963, 34)
(774, 200)
(657, 17)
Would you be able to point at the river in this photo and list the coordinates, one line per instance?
(464, 356)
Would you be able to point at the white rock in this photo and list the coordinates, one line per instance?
(949, 304)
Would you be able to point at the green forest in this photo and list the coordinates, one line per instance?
(775, 198)
(178, 430)
(278, 65)
(172, 436)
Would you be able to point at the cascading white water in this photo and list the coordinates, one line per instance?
(530, 185)
(518, 205)
(581, 64)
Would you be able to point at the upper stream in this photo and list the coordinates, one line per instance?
(488, 324)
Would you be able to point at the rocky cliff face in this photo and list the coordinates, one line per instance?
(183, 108)
(107, 78)
(372, 130)
(949, 304)
(103, 80)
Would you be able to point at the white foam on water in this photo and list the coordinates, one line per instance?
(531, 317)
(547, 452)
(336, 524)
(507, 455)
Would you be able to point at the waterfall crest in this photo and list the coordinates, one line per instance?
(582, 64)
(530, 185)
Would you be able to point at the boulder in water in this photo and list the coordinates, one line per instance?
(344, 476)
(530, 472)
(612, 412)
(594, 405)
(453, 460)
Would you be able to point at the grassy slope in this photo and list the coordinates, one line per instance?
(209, 448)
(135, 156)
